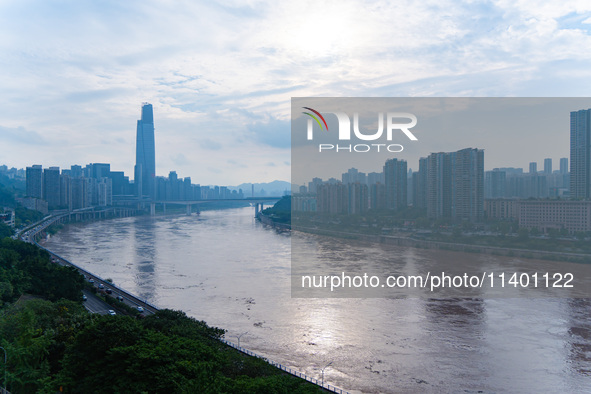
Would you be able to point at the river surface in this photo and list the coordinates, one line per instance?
(234, 273)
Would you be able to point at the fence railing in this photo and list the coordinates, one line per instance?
(290, 371)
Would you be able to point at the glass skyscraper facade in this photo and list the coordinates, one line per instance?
(145, 156)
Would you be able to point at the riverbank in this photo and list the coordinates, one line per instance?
(458, 247)
(432, 244)
(265, 219)
(316, 384)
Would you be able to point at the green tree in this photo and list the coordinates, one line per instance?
(34, 334)
(91, 361)
(5, 230)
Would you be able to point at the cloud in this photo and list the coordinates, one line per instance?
(274, 132)
(180, 160)
(20, 135)
(234, 163)
(209, 144)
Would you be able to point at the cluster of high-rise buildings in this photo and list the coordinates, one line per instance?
(12, 173)
(454, 185)
(448, 184)
(74, 188)
(96, 185)
(514, 183)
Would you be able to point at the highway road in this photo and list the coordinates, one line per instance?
(94, 304)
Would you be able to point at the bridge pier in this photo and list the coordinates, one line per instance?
(152, 209)
(259, 206)
(189, 209)
(163, 207)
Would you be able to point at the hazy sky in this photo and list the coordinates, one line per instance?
(73, 74)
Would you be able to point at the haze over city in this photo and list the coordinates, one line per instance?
(221, 75)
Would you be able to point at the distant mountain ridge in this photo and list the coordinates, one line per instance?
(268, 189)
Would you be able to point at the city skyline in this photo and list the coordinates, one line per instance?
(74, 76)
(499, 126)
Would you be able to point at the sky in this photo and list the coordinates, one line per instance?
(220, 75)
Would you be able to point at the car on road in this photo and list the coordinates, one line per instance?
(108, 291)
(84, 298)
(112, 312)
(91, 281)
(140, 309)
(101, 286)
(119, 298)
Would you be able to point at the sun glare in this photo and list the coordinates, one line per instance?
(320, 33)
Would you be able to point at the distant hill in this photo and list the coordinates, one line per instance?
(269, 189)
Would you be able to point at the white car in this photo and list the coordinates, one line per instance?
(112, 312)
(140, 309)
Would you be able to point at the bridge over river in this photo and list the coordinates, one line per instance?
(257, 202)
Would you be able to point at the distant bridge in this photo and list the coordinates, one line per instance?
(257, 202)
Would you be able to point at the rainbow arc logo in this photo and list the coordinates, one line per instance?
(315, 118)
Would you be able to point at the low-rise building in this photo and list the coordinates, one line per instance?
(543, 215)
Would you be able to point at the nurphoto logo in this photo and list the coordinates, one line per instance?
(392, 120)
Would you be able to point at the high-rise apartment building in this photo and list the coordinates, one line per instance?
(97, 170)
(105, 191)
(51, 186)
(438, 185)
(377, 196)
(145, 157)
(564, 165)
(419, 184)
(35, 181)
(548, 166)
(580, 154)
(533, 167)
(467, 184)
(495, 182)
(65, 189)
(455, 184)
(395, 179)
(77, 193)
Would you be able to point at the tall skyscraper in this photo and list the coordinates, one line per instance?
(145, 156)
(580, 154)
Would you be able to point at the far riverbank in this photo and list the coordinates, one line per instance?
(431, 244)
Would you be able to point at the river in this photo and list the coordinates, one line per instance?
(229, 270)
